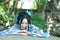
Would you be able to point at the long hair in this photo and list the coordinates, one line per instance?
(23, 15)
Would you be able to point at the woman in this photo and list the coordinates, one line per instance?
(24, 27)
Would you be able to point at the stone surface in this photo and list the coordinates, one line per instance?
(18, 37)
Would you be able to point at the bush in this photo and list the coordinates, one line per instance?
(3, 17)
(38, 21)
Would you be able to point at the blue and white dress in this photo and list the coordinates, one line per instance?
(33, 31)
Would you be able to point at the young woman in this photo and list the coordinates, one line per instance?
(24, 27)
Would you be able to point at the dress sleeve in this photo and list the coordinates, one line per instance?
(14, 27)
(36, 32)
(9, 30)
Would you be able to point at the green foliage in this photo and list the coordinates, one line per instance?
(38, 21)
(40, 3)
(1, 1)
(3, 16)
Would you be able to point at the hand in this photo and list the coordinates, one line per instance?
(17, 31)
(22, 32)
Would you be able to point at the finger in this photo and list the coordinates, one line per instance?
(23, 34)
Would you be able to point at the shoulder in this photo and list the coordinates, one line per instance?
(33, 26)
(14, 27)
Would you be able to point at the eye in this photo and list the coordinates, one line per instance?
(24, 23)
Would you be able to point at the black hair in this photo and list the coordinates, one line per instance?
(23, 15)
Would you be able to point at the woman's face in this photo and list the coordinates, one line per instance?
(24, 23)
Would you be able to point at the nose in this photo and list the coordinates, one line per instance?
(24, 25)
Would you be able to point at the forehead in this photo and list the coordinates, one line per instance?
(24, 20)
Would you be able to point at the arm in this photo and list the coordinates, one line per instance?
(21, 32)
(16, 30)
(37, 32)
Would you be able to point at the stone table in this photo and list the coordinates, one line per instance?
(18, 37)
